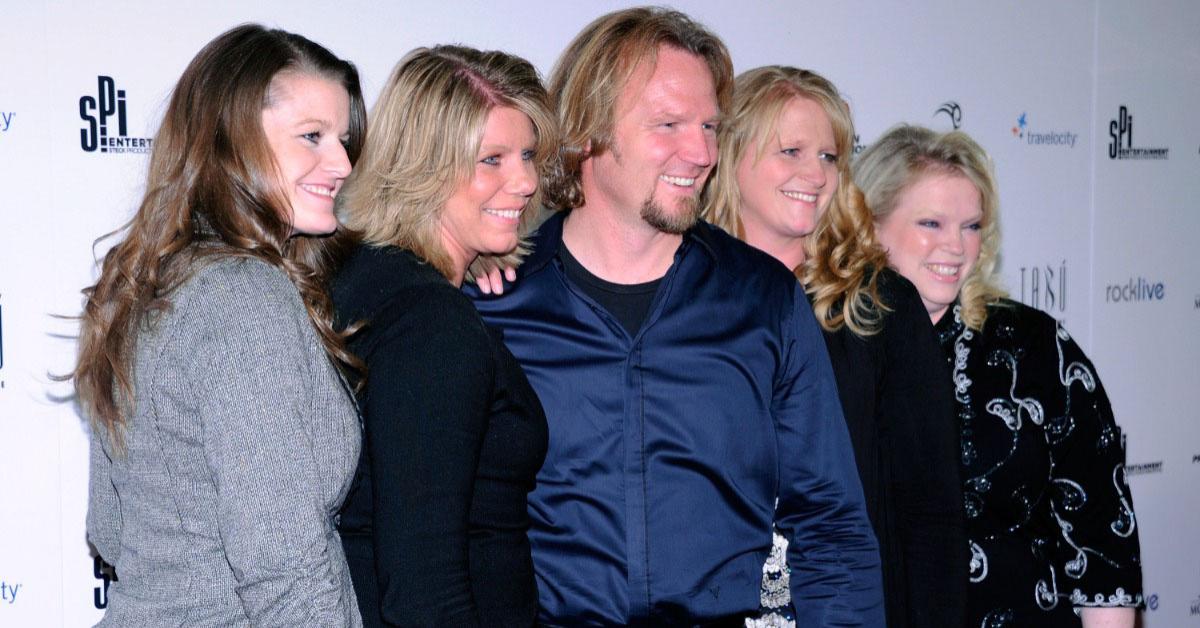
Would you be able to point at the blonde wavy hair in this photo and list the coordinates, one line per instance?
(904, 154)
(592, 72)
(842, 257)
(423, 137)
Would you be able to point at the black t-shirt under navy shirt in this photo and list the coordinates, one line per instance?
(628, 303)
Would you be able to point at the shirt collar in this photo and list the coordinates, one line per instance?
(548, 238)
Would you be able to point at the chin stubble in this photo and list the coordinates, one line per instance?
(677, 223)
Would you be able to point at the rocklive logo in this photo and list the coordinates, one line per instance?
(98, 112)
(1135, 290)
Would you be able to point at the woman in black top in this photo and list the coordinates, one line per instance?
(783, 185)
(1050, 522)
(435, 528)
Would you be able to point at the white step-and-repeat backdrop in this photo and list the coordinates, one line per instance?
(1089, 108)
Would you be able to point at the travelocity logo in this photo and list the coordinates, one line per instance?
(6, 120)
(9, 591)
(1042, 137)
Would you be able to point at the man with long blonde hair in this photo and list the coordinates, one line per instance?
(684, 379)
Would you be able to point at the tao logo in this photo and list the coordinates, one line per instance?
(1047, 287)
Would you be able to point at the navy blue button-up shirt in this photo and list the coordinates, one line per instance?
(669, 449)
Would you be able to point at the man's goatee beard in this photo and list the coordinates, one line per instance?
(677, 223)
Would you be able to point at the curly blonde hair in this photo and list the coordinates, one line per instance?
(842, 257)
(904, 154)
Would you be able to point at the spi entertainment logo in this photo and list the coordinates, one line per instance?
(952, 111)
(1120, 145)
(105, 115)
(105, 573)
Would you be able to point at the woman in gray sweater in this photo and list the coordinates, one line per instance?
(223, 436)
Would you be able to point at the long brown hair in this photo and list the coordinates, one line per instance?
(842, 258)
(211, 190)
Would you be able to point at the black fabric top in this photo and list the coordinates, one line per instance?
(628, 303)
(1050, 519)
(898, 402)
(435, 527)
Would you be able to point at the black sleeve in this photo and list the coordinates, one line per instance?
(1098, 558)
(921, 443)
(430, 374)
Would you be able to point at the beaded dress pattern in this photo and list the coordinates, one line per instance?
(1049, 514)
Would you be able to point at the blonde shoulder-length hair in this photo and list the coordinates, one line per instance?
(423, 135)
(842, 258)
(904, 154)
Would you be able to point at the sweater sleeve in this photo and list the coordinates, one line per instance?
(104, 509)
(430, 377)
(920, 444)
(253, 374)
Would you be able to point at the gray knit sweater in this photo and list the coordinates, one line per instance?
(240, 447)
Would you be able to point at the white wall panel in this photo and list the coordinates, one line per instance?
(1075, 222)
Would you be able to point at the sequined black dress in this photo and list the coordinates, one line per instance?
(1049, 516)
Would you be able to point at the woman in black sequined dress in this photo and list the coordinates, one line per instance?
(1050, 521)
